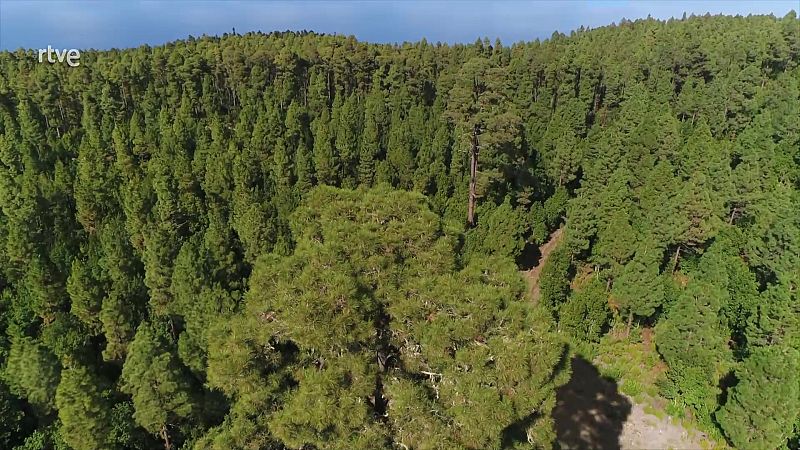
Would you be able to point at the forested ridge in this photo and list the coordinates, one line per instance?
(294, 240)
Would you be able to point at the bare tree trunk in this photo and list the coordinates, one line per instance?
(733, 216)
(165, 436)
(473, 175)
(675, 260)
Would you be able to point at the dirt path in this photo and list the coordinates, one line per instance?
(532, 275)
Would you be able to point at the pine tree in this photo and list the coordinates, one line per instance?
(585, 314)
(561, 144)
(298, 139)
(399, 153)
(639, 288)
(347, 140)
(87, 287)
(368, 151)
(370, 146)
(125, 302)
(153, 375)
(326, 164)
(554, 279)
(82, 410)
(765, 402)
(501, 231)
(33, 373)
(282, 166)
(96, 177)
(474, 105)
(341, 334)
(694, 344)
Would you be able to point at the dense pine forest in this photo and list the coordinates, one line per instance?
(294, 240)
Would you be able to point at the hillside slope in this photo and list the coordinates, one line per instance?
(141, 193)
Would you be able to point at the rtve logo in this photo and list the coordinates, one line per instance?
(71, 56)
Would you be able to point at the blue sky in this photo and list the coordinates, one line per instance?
(95, 24)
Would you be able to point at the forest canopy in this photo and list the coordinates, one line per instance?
(297, 240)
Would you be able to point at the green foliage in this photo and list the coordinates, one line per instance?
(160, 213)
(123, 431)
(693, 342)
(585, 314)
(13, 425)
(154, 377)
(555, 206)
(86, 292)
(500, 231)
(374, 274)
(763, 406)
(555, 277)
(325, 161)
(639, 288)
(329, 408)
(82, 410)
(32, 372)
(632, 361)
(44, 438)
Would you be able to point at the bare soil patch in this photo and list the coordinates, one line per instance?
(646, 431)
(532, 275)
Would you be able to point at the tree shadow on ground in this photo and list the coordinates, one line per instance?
(529, 257)
(590, 411)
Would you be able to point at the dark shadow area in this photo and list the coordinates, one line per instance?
(530, 257)
(726, 383)
(590, 411)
